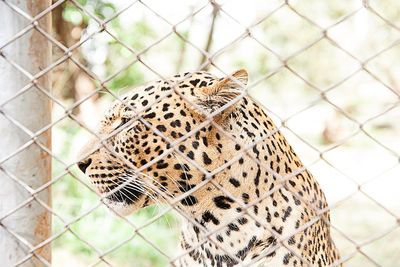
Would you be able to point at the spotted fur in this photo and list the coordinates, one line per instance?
(263, 208)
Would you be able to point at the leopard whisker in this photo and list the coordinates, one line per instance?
(143, 186)
(121, 193)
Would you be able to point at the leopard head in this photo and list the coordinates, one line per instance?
(159, 140)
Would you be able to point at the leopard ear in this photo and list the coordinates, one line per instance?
(223, 92)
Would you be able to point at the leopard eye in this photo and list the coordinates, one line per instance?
(124, 120)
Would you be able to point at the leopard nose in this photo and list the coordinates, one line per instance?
(84, 164)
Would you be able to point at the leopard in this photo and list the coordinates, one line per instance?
(203, 145)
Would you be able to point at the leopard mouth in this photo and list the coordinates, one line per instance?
(124, 191)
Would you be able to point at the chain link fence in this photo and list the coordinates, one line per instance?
(326, 74)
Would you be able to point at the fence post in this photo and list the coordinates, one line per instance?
(24, 222)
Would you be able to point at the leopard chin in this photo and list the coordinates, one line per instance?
(120, 208)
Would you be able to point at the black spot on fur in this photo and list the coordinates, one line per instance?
(242, 220)
(195, 144)
(223, 202)
(161, 128)
(168, 115)
(161, 165)
(190, 155)
(206, 159)
(189, 201)
(208, 216)
(233, 227)
(194, 82)
(150, 115)
(234, 182)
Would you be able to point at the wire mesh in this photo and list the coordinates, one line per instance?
(98, 28)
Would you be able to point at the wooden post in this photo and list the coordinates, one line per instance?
(24, 228)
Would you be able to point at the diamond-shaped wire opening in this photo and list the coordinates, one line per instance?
(381, 253)
(312, 136)
(325, 57)
(383, 196)
(356, 230)
(283, 29)
(267, 61)
(293, 101)
(328, 13)
(376, 35)
(378, 159)
(383, 66)
(362, 97)
(387, 12)
(380, 131)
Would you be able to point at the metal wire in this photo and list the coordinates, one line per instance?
(247, 32)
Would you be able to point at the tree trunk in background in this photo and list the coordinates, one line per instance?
(70, 82)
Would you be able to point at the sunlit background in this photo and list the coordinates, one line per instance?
(326, 71)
